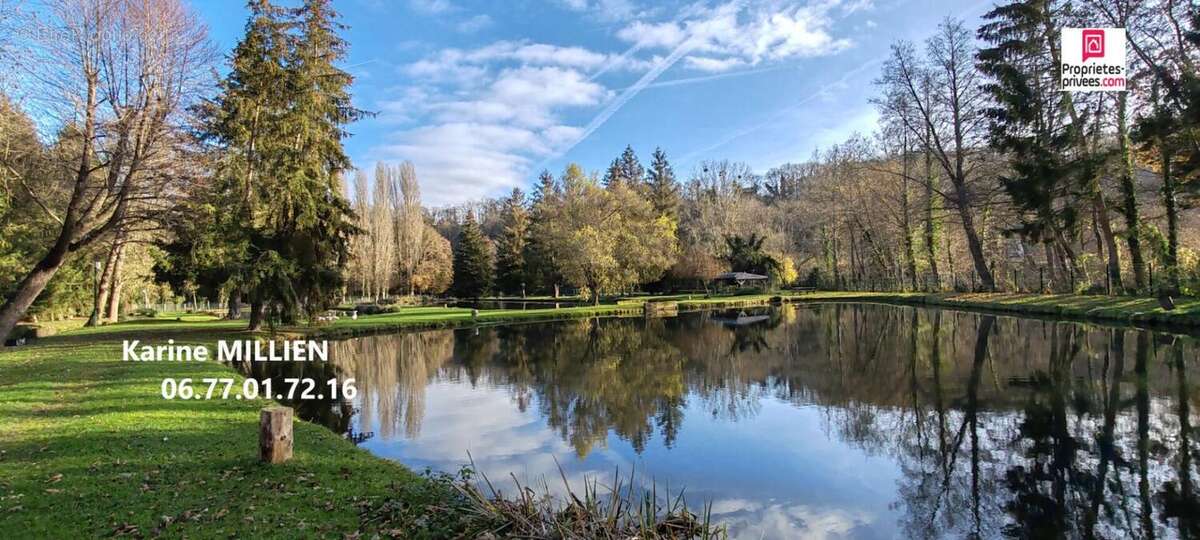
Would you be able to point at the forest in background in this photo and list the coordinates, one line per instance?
(131, 175)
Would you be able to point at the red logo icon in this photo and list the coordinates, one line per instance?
(1093, 43)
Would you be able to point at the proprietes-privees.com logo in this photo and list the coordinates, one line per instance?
(1093, 59)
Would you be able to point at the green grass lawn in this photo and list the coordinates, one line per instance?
(88, 447)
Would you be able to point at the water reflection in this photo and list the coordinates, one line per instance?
(837, 420)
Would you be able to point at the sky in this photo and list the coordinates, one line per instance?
(483, 95)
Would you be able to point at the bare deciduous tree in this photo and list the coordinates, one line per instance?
(948, 120)
(117, 76)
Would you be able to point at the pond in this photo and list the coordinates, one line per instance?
(827, 420)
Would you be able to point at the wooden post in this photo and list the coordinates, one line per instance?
(275, 434)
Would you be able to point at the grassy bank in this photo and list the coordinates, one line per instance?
(89, 448)
(1111, 309)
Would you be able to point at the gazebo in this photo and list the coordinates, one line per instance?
(739, 278)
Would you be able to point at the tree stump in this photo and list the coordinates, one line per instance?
(275, 434)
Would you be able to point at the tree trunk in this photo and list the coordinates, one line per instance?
(113, 312)
(1169, 203)
(1129, 207)
(234, 311)
(930, 232)
(102, 286)
(973, 243)
(1106, 233)
(910, 256)
(256, 315)
(30, 287)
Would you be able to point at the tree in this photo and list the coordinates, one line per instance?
(661, 185)
(1029, 126)
(697, 267)
(472, 261)
(382, 232)
(117, 75)
(625, 170)
(949, 118)
(410, 223)
(605, 238)
(435, 274)
(1171, 126)
(510, 250)
(747, 255)
(541, 272)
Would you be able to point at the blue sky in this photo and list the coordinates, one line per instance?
(482, 95)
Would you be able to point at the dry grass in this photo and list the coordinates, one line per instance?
(620, 511)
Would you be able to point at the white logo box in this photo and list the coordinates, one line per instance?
(1093, 60)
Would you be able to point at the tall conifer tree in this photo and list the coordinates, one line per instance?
(662, 187)
(472, 261)
(510, 250)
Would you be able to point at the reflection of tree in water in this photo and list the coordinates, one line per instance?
(391, 373)
(999, 426)
(1034, 429)
(332, 413)
(592, 376)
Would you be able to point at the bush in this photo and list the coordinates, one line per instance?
(145, 312)
(374, 309)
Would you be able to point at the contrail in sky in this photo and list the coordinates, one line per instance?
(795, 106)
(773, 118)
(628, 94)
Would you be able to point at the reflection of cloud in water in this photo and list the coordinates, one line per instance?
(781, 482)
(747, 519)
(483, 421)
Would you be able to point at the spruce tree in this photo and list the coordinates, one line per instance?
(510, 250)
(472, 261)
(1027, 122)
(661, 185)
(280, 119)
(246, 122)
(541, 273)
(625, 169)
(613, 174)
(323, 222)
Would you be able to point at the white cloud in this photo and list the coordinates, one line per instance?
(732, 35)
(474, 24)
(488, 114)
(664, 35)
(462, 64)
(704, 63)
(478, 121)
(431, 6)
(604, 10)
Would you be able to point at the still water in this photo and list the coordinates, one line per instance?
(830, 420)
